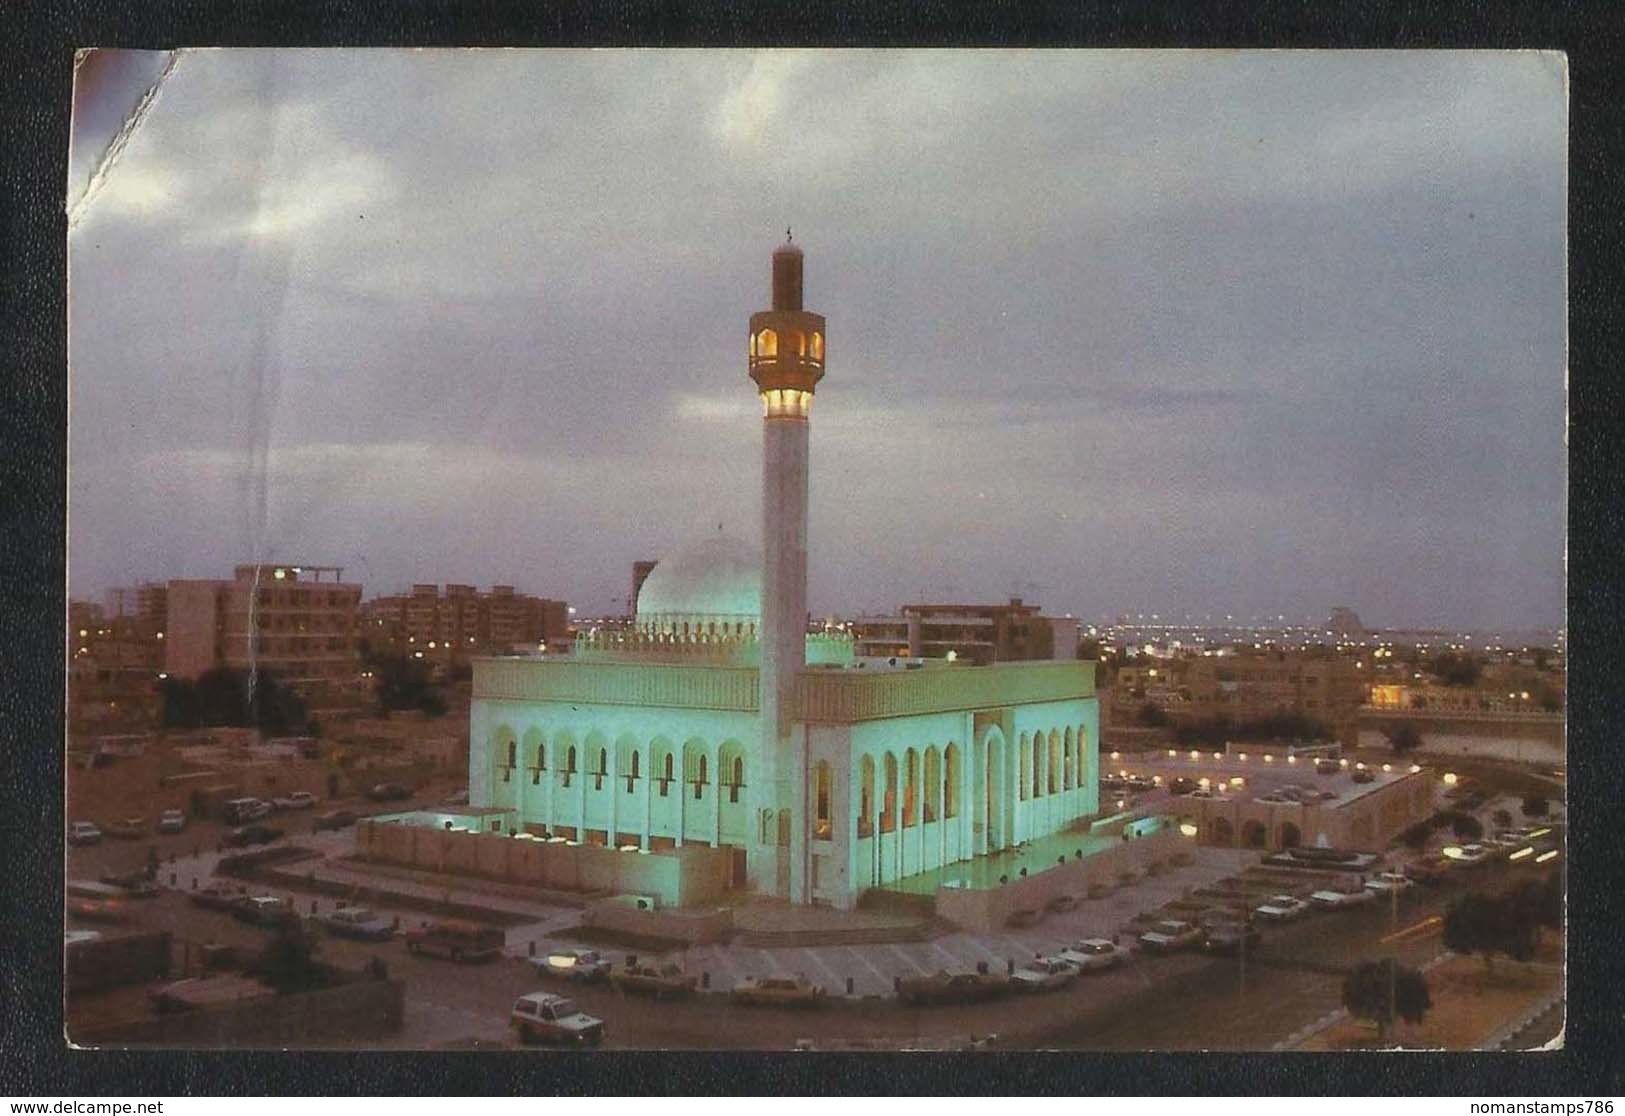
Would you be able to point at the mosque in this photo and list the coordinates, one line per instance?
(719, 720)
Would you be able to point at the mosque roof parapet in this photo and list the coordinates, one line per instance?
(823, 694)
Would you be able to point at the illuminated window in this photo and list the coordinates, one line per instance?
(818, 346)
(767, 344)
(753, 344)
(796, 342)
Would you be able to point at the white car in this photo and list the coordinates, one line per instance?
(1043, 974)
(1341, 900)
(171, 821)
(1281, 908)
(1469, 856)
(1093, 954)
(544, 1017)
(84, 833)
(582, 965)
(1389, 881)
(1170, 935)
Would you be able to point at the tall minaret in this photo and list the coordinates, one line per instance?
(786, 362)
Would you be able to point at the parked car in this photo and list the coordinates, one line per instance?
(335, 819)
(171, 821)
(1335, 900)
(1428, 869)
(1170, 935)
(1093, 954)
(1388, 881)
(1141, 783)
(1043, 974)
(944, 987)
(660, 981)
(98, 910)
(128, 829)
(240, 811)
(545, 1017)
(264, 910)
(1231, 937)
(245, 835)
(459, 941)
(298, 800)
(388, 792)
(796, 991)
(580, 965)
(1281, 908)
(1179, 784)
(1470, 856)
(1361, 775)
(219, 895)
(1327, 767)
(136, 885)
(84, 833)
(357, 922)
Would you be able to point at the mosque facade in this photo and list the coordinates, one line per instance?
(719, 719)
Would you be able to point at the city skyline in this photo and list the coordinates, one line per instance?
(1125, 331)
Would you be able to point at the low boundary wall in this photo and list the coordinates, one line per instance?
(987, 910)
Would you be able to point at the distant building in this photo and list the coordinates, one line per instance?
(448, 627)
(975, 633)
(1245, 685)
(297, 622)
(1345, 625)
(113, 667)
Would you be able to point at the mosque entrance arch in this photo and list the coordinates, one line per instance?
(993, 808)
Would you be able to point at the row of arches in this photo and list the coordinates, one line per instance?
(766, 344)
(1254, 834)
(565, 761)
(1050, 763)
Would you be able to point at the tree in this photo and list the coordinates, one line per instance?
(1403, 737)
(1502, 819)
(228, 696)
(1089, 649)
(1456, 670)
(1416, 835)
(1489, 925)
(1541, 901)
(1535, 806)
(1151, 716)
(1382, 991)
(1466, 827)
(403, 683)
(288, 961)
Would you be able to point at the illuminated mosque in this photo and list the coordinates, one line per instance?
(719, 720)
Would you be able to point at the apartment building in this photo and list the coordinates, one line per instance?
(451, 625)
(975, 633)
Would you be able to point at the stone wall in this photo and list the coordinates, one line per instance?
(675, 877)
(987, 911)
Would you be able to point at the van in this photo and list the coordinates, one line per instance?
(240, 810)
(460, 941)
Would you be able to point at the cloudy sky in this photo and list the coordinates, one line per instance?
(1248, 333)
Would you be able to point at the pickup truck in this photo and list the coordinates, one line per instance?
(545, 1017)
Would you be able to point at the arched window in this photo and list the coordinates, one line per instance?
(866, 797)
(632, 774)
(1038, 763)
(888, 801)
(818, 346)
(950, 780)
(699, 782)
(823, 782)
(1023, 755)
(911, 787)
(569, 765)
(753, 344)
(665, 774)
(513, 753)
(933, 780)
(767, 344)
(738, 779)
(1052, 766)
(796, 342)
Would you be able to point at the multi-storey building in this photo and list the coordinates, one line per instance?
(296, 622)
(973, 633)
(1244, 685)
(447, 627)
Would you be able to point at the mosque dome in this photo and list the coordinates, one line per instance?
(715, 580)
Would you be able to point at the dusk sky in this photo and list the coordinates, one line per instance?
(1200, 332)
